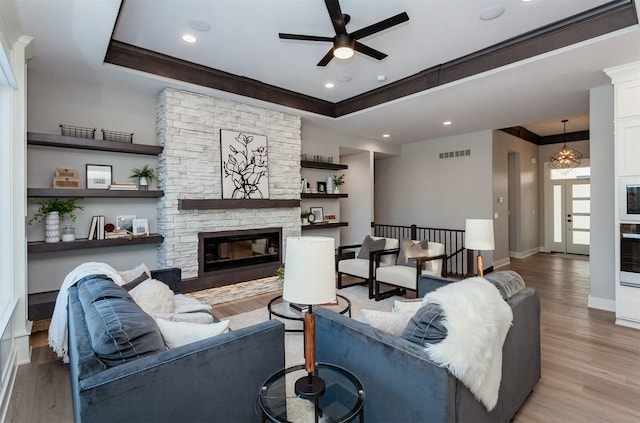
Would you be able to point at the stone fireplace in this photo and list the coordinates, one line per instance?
(190, 174)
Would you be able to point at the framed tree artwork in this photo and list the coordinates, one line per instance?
(245, 165)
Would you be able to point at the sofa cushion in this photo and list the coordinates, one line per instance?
(368, 245)
(508, 282)
(386, 321)
(97, 287)
(176, 334)
(426, 326)
(409, 248)
(121, 331)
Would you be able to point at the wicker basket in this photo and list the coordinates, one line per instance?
(108, 135)
(77, 131)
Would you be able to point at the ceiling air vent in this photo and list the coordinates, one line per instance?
(455, 154)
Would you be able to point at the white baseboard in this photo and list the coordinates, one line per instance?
(524, 254)
(601, 303)
(628, 323)
(502, 262)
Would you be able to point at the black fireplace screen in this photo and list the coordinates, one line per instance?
(239, 249)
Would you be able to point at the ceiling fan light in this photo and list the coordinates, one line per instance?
(343, 52)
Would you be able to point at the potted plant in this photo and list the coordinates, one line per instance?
(280, 274)
(52, 211)
(305, 217)
(337, 182)
(144, 175)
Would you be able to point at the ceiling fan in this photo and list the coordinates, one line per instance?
(344, 43)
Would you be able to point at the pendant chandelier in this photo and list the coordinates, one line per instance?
(565, 158)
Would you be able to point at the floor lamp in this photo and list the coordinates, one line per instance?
(479, 236)
(309, 279)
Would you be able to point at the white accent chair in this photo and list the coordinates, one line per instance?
(405, 277)
(365, 268)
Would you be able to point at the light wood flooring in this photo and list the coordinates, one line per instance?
(590, 366)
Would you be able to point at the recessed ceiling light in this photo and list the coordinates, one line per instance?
(200, 26)
(491, 13)
(381, 78)
(189, 38)
(385, 135)
(344, 78)
(329, 85)
(447, 123)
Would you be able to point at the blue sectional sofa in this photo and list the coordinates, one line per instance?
(403, 385)
(214, 380)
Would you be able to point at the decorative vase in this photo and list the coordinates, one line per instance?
(329, 184)
(305, 221)
(144, 185)
(52, 227)
(336, 190)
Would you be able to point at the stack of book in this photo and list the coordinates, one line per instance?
(123, 186)
(96, 229)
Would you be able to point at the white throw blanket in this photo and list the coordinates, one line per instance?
(477, 321)
(58, 329)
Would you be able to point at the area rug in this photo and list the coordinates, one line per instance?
(358, 295)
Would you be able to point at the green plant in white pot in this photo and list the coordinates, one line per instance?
(338, 181)
(52, 212)
(144, 175)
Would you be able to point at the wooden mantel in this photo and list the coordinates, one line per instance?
(213, 204)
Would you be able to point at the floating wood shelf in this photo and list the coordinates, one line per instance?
(235, 204)
(320, 165)
(324, 225)
(95, 193)
(50, 140)
(322, 195)
(43, 247)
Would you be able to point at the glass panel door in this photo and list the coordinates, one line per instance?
(578, 206)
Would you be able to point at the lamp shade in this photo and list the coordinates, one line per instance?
(309, 275)
(479, 234)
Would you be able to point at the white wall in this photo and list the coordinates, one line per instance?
(603, 238)
(358, 208)
(521, 183)
(420, 188)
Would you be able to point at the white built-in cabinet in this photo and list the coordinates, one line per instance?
(626, 81)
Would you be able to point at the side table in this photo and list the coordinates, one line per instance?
(342, 401)
(280, 308)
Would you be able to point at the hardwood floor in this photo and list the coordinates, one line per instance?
(590, 366)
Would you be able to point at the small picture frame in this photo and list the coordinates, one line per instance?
(322, 187)
(140, 226)
(318, 214)
(99, 176)
(125, 223)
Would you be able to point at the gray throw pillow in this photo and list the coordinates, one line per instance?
(508, 282)
(409, 248)
(368, 245)
(426, 327)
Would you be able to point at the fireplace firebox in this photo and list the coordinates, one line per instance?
(228, 257)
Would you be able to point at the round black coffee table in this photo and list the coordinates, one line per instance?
(283, 309)
(342, 401)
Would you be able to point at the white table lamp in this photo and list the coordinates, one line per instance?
(309, 279)
(479, 236)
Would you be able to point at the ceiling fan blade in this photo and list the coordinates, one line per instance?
(304, 37)
(326, 59)
(337, 18)
(368, 51)
(381, 26)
